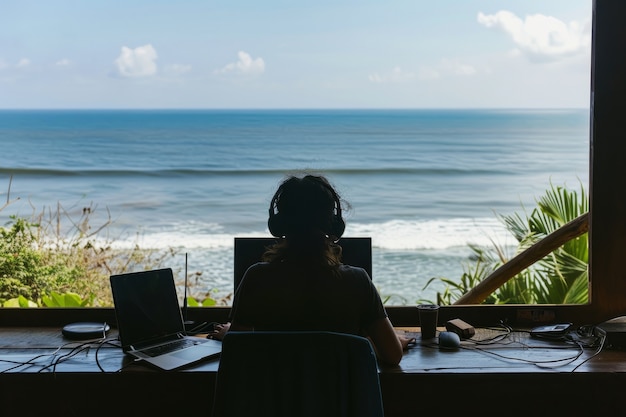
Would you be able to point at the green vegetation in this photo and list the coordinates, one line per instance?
(55, 260)
(39, 267)
(559, 278)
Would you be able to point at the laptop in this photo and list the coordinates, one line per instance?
(150, 322)
(357, 251)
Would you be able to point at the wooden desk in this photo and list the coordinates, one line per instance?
(518, 376)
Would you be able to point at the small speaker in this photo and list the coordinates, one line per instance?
(85, 330)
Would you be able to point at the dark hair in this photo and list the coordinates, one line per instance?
(305, 212)
(305, 206)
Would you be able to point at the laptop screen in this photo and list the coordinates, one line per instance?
(357, 251)
(146, 306)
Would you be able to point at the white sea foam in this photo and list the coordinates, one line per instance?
(391, 235)
(432, 234)
(406, 253)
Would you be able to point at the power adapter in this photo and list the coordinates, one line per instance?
(613, 331)
(458, 326)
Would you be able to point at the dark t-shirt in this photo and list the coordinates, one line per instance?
(283, 296)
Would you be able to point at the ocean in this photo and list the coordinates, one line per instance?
(423, 184)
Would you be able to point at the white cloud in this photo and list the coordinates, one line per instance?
(138, 62)
(396, 75)
(23, 63)
(457, 68)
(428, 73)
(177, 69)
(540, 37)
(245, 65)
(445, 68)
(63, 63)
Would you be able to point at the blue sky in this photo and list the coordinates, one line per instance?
(295, 54)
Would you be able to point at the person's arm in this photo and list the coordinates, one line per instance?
(220, 330)
(389, 346)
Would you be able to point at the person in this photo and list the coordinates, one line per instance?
(301, 283)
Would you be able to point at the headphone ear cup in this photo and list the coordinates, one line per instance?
(276, 225)
(338, 226)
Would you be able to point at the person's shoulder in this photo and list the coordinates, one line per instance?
(351, 268)
(353, 271)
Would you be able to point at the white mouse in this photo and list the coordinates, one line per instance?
(449, 340)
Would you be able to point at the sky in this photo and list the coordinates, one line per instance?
(205, 54)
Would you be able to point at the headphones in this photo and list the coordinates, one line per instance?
(277, 225)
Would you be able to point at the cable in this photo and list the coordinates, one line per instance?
(600, 347)
(495, 339)
(204, 327)
(105, 341)
(538, 363)
(56, 359)
(30, 361)
(73, 352)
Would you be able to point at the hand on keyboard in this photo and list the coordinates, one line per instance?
(219, 330)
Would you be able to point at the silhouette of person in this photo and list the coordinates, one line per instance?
(301, 284)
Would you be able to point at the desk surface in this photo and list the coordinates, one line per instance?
(490, 350)
(521, 374)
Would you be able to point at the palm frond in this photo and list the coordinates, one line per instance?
(560, 277)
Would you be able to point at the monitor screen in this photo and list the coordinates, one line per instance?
(357, 251)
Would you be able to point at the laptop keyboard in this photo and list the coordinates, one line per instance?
(169, 347)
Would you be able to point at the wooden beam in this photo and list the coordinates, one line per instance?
(524, 259)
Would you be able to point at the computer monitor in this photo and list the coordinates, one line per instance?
(356, 251)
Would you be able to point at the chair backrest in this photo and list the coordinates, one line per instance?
(297, 374)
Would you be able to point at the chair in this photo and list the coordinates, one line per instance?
(297, 374)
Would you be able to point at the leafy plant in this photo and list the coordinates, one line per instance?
(55, 259)
(559, 278)
(19, 301)
(206, 302)
(69, 299)
(25, 268)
